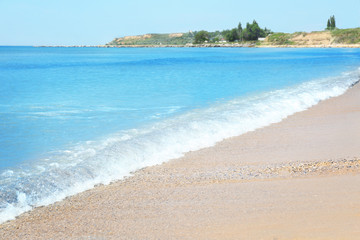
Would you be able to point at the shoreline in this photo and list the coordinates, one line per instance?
(307, 150)
(247, 45)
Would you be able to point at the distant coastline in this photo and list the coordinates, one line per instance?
(210, 45)
(335, 38)
(339, 38)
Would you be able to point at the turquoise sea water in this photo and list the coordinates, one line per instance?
(71, 118)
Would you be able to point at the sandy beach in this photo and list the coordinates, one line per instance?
(297, 179)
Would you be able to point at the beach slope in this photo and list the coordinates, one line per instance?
(297, 179)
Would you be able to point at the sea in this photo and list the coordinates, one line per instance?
(73, 118)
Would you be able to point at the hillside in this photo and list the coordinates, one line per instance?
(155, 39)
(336, 38)
(321, 38)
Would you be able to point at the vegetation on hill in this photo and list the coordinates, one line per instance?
(249, 35)
(155, 39)
(252, 32)
(202, 36)
(346, 36)
(280, 39)
(336, 36)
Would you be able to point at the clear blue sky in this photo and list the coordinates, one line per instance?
(73, 22)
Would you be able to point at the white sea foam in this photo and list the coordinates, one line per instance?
(94, 162)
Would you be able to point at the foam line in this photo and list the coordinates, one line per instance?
(94, 162)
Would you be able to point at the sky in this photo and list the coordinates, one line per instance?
(94, 22)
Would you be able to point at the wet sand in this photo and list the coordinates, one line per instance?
(298, 179)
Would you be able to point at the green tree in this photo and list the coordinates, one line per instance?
(224, 33)
(252, 31)
(201, 37)
(232, 35)
(331, 24)
(240, 29)
(255, 29)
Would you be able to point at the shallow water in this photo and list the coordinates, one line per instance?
(74, 117)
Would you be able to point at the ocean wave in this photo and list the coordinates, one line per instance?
(100, 162)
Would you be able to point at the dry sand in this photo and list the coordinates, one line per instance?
(298, 179)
